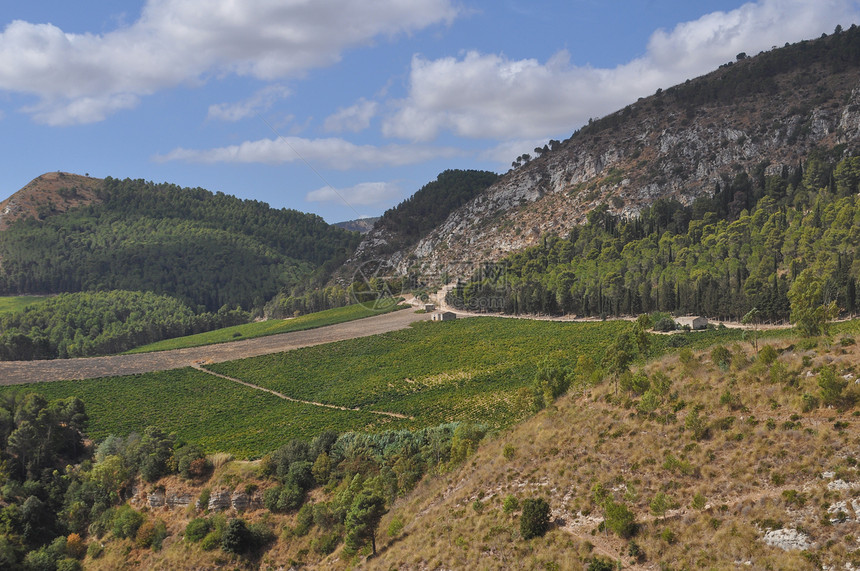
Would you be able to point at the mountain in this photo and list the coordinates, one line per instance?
(360, 225)
(760, 115)
(69, 233)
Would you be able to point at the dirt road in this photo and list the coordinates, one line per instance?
(21, 372)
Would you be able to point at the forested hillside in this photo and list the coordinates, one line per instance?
(99, 323)
(722, 256)
(208, 249)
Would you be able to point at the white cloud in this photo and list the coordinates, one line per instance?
(363, 194)
(354, 118)
(257, 103)
(185, 41)
(333, 153)
(491, 96)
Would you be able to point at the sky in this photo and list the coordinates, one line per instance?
(345, 108)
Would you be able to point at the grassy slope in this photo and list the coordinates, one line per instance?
(10, 304)
(264, 328)
(762, 450)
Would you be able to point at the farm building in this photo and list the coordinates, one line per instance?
(429, 307)
(444, 316)
(695, 322)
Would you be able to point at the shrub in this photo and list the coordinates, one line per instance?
(236, 538)
(619, 519)
(95, 550)
(767, 355)
(211, 541)
(808, 403)
(721, 357)
(831, 386)
(665, 324)
(509, 452)
(68, 564)
(326, 543)
(197, 529)
(510, 504)
(395, 526)
(203, 500)
(534, 520)
(601, 564)
(75, 546)
(126, 521)
(151, 534)
(698, 502)
(304, 519)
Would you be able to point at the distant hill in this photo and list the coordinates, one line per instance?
(406, 224)
(69, 233)
(360, 225)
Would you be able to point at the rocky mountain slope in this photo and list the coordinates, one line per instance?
(760, 115)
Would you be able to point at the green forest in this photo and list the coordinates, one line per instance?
(722, 256)
(100, 323)
(207, 249)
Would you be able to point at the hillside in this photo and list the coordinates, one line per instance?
(208, 249)
(761, 115)
(719, 460)
(401, 227)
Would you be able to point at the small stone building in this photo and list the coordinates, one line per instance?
(693, 322)
(444, 316)
(428, 307)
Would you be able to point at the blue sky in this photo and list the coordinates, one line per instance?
(343, 107)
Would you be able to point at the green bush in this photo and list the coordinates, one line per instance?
(619, 519)
(510, 504)
(197, 529)
(767, 355)
(534, 520)
(211, 541)
(304, 519)
(236, 538)
(721, 357)
(126, 521)
(326, 543)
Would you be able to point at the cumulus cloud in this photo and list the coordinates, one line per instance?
(362, 194)
(185, 41)
(333, 153)
(354, 118)
(257, 103)
(491, 96)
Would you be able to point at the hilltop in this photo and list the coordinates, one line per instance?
(51, 193)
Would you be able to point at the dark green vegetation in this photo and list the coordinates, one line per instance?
(416, 216)
(743, 248)
(264, 328)
(207, 249)
(99, 323)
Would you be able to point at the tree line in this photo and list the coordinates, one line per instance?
(101, 323)
(722, 256)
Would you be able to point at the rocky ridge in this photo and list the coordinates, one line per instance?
(669, 145)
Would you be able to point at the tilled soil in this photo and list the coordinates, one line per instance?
(22, 372)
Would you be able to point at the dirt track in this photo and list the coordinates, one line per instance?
(21, 372)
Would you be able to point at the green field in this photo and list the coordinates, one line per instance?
(264, 328)
(468, 369)
(11, 304)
